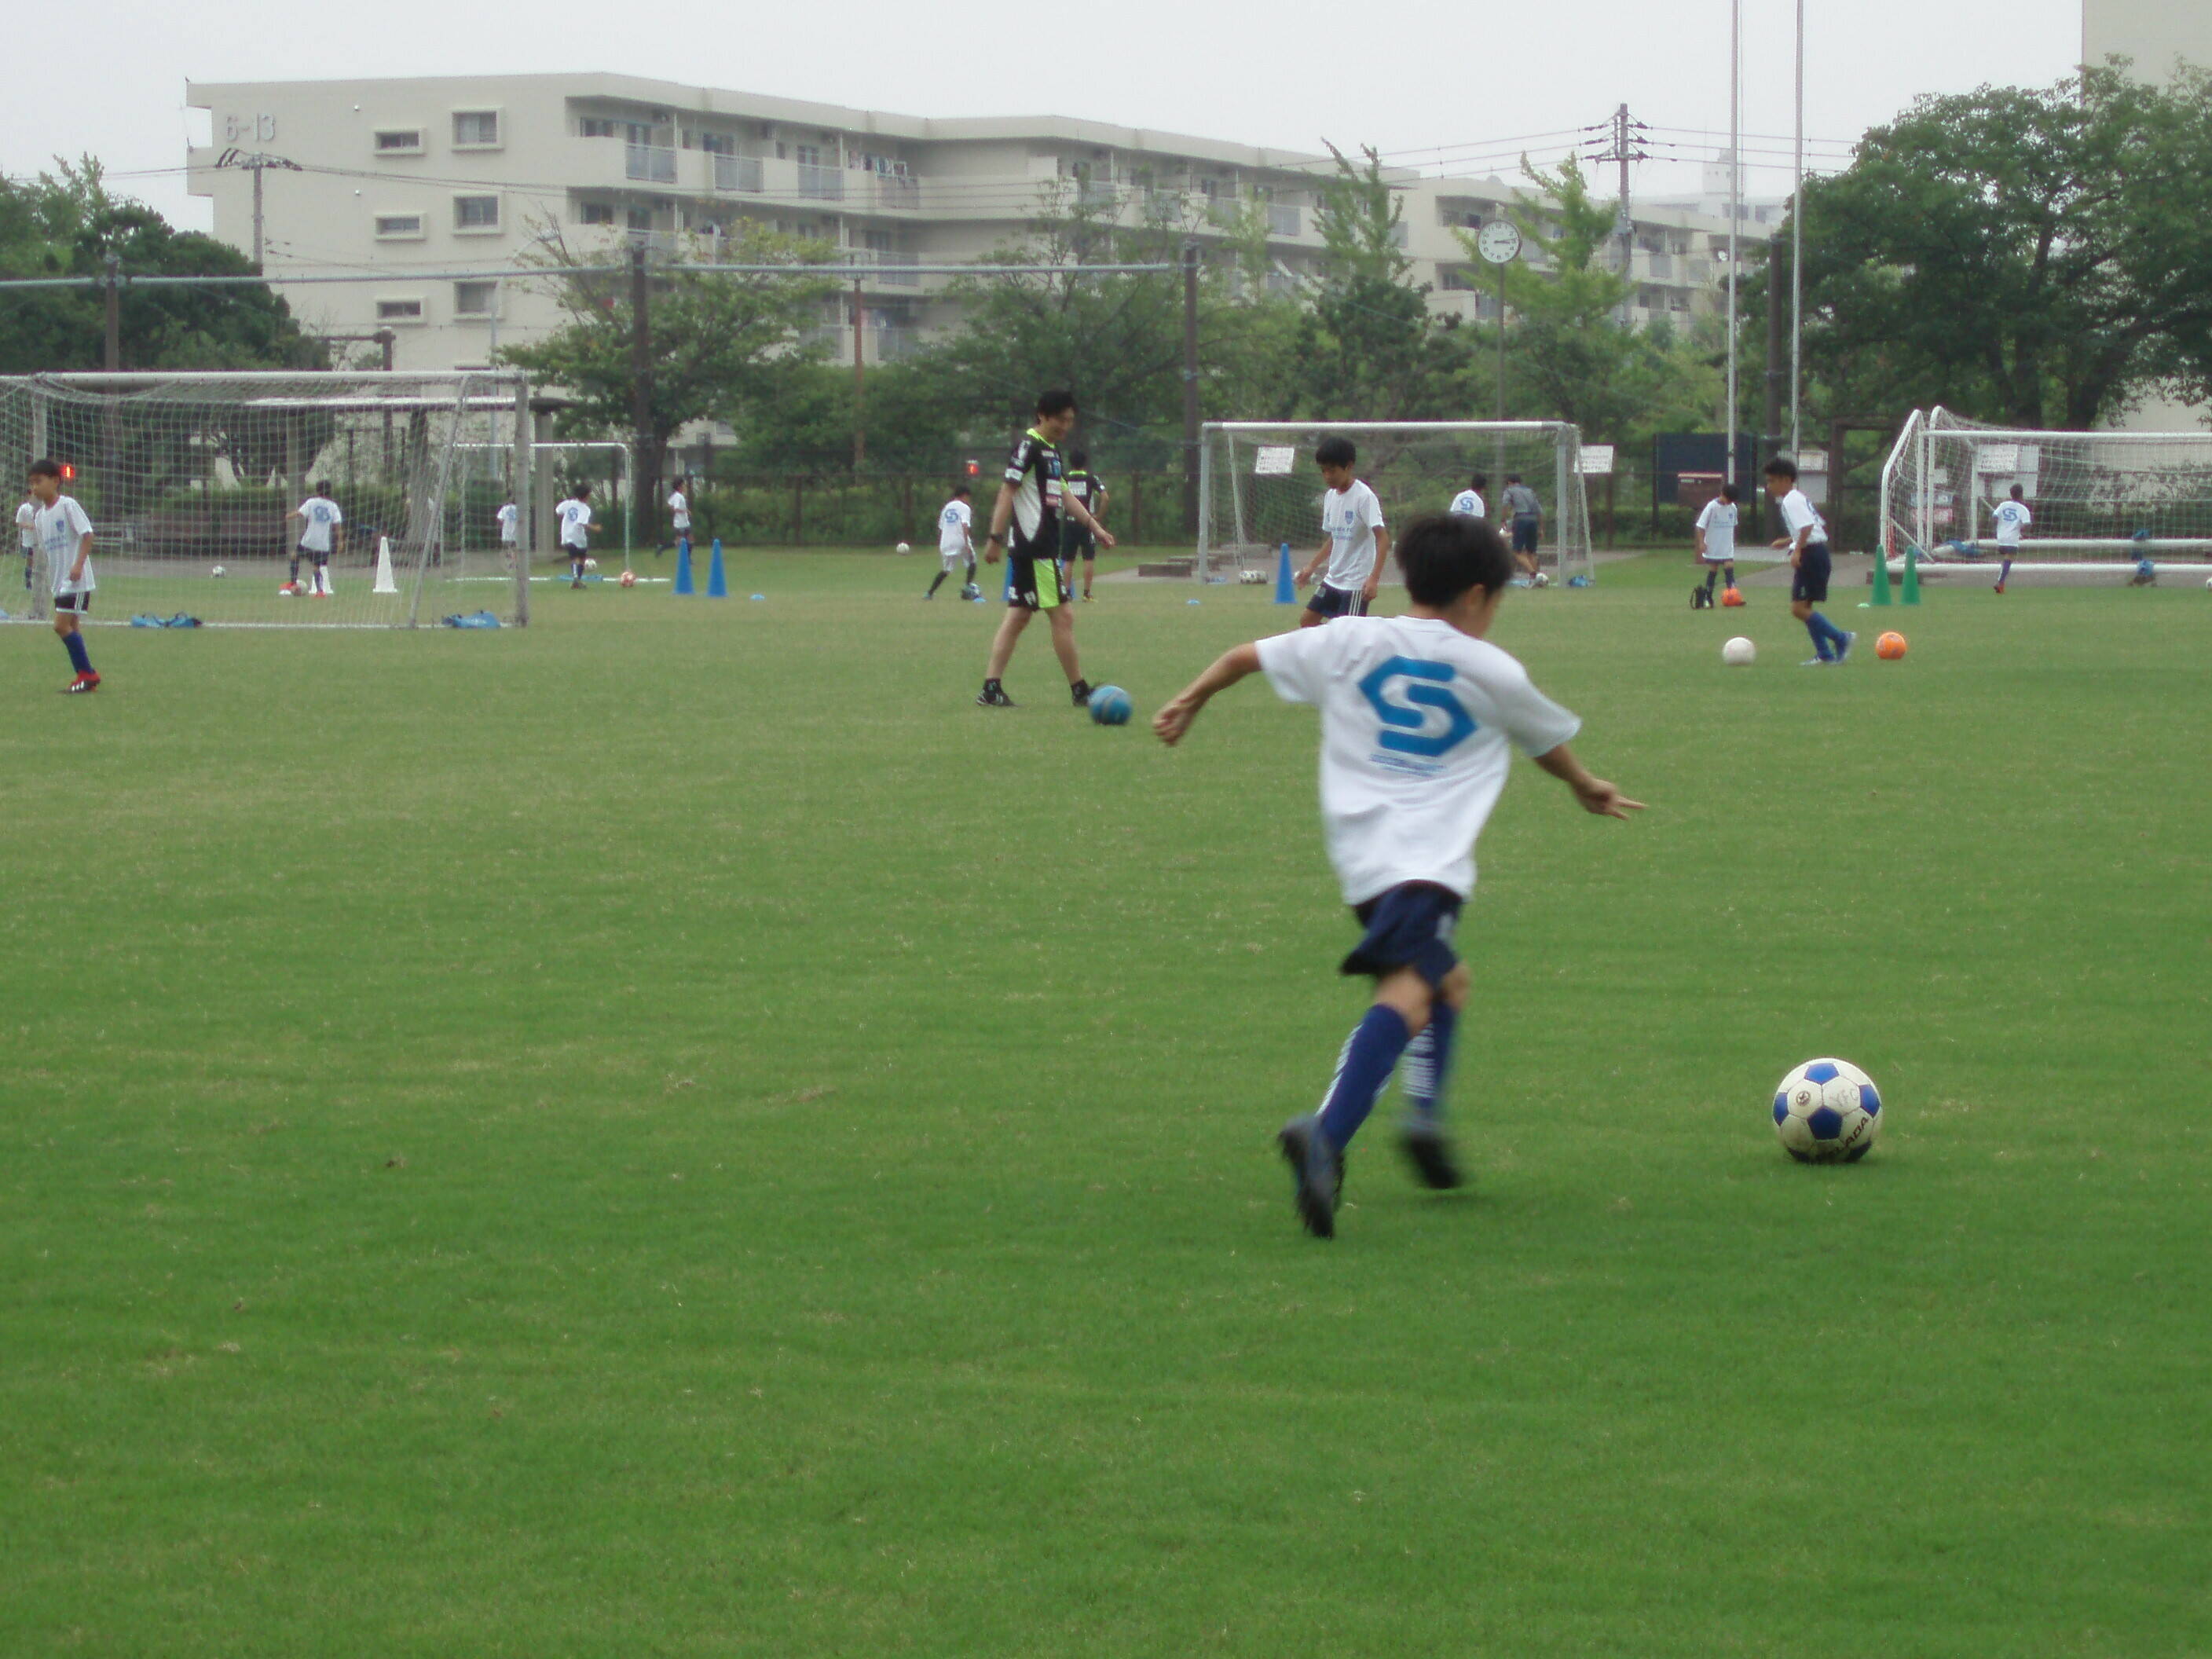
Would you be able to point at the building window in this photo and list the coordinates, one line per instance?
(475, 299)
(718, 143)
(399, 141)
(595, 126)
(476, 129)
(399, 227)
(809, 156)
(398, 311)
(597, 213)
(478, 213)
(640, 218)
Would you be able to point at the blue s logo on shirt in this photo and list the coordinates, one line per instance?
(1401, 691)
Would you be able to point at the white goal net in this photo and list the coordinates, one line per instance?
(2101, 506)
(1259, 488)
(196, 483)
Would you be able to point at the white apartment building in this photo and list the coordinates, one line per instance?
(441, 186)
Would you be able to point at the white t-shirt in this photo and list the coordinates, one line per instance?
(509, 522)
(952, 528)
(1718, 521)
(320, 513)
(1416, 719)
(679, 510)
(1350, 518)
(1469, 504)
(1797, 513)
(575, 524)
(2012, 517)
(60, 529)
(26, 516)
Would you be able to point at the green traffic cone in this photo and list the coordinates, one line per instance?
(1881, 577)
(1911, 592)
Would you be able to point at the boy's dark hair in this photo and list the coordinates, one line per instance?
(2018, 492)
(1079, 458)
(1481, 481)
(1442, 555)
(1055, 400)
(45, 468)
(582, 490)
(1513, 478)
(961, 489)
(1334, 452)
(323, 487)
(1782, 467)
(1728, 493)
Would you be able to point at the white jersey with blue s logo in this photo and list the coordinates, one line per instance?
(2012, 517)
(952, 523)
(317, 514)
(1418, 725)
(1469, 505)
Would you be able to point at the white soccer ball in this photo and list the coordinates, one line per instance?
(591, 564)
(218, 570)
(1739, 652)
(1827, 1111)
(903, 548)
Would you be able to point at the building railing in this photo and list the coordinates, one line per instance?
(822, 184)
(650, 163)
(1284, 221)
(738, 173)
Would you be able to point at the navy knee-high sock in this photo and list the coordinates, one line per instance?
(1428, 1061)
(78, 655)
(1370, 1055)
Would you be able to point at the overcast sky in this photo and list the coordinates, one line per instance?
(1460, 81)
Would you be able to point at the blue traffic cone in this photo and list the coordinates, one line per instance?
(683, 568)
(1286, 591)
(718, 585)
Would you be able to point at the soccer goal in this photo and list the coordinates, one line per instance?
(192, 483)
(1258, 486)
(2104, 505)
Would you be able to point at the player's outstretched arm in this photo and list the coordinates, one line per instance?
(1176, 715)
(1596, 795)
(1083, 517)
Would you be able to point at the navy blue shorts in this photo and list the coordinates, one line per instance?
(1407, 926)
(1525, 526)
(1329, 601)
(1809, 581)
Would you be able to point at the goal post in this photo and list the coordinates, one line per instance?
(193, 483)
(2104, 506)
(1259, 488)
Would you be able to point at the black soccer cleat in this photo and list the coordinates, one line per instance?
(1318, 1172)
(1082, 691)
(1429, 1150)
(994, 696)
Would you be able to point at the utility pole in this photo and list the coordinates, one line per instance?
(1770, 434)
(1625, 144)
(640, 381)
(1797, 247)
(860, 372)
(113, 356)
(1735, 215)
(256, 162)
(1190, 388)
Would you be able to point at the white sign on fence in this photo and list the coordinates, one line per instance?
(1275, 460)
(1597, 459)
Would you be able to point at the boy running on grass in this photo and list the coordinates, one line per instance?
(576, 528)
(956, 541)
(1418, 717)
(1715, 537)
(65, 538)
(1806, 540)
(2012, 517)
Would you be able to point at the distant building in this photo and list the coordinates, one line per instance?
(429, 182)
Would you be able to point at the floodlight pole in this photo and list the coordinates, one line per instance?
(1736, 210)
(1797, 250)
(112, 357)
(1190, 435)
(640, 366)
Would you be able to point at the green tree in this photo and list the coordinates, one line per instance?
(1369, 348)
(1570, 355)
(2027, 256)
(66, 224)
(719, 344)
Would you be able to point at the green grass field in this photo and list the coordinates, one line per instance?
(671, 1133)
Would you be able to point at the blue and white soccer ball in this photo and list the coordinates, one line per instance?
(1111, 706)
(970, 591)
(1827, 1111)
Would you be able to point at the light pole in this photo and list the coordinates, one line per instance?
(1735, 210)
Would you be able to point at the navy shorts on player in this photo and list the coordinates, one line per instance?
(1525, 526)
(1809, 581)
(76, 604)
(1085, 547)
(1329, 601)
(1409, 926)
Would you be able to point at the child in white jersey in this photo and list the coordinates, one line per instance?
(1354, 544)
(2012, 517)
(1715, 534)
(1420, 715)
